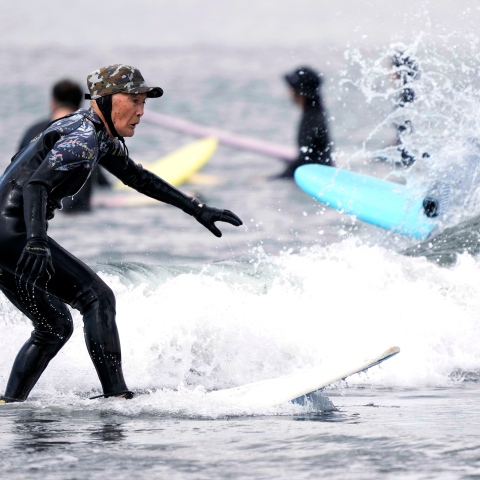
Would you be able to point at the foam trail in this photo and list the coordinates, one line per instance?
(188, 331)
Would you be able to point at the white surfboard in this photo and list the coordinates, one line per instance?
(290, 387)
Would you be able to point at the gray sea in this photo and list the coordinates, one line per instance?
(299, 285)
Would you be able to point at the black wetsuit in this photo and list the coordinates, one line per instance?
(81, 202)
(54, 166)
(33, 131)
(313, 138)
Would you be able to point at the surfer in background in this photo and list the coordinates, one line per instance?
(66, 98)
(314, 141)
(39, 276)
(406, 72)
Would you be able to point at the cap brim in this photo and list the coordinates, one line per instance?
(154, 92)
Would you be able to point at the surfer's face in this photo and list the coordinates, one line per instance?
(127, 108)
(298, 99)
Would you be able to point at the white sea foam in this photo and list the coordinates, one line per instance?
(231, 324)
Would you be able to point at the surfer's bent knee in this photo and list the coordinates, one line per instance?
(56, 336)
(97, 292)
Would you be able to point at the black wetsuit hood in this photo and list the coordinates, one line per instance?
(305, 81)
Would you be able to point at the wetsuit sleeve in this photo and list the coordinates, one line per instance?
(71, 154)
(36, 197)
(146, 182)
(78, 148)
(35, 210)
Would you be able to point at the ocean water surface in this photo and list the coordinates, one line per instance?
(299, 285)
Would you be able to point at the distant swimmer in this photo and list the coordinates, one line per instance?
(314, 141)
(66, 97)
(39, 276)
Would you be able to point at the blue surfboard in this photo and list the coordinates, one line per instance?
(382, 203)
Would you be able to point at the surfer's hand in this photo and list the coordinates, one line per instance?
(36, 259)
(207, 216)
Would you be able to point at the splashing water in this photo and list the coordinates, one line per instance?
(439, 123)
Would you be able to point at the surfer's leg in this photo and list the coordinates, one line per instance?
(78, 285)
(53, 326)
(75, 284)
(97, 305)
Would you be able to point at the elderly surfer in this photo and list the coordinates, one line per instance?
(39, 276)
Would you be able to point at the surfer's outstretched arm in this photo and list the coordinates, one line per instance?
(149, 184)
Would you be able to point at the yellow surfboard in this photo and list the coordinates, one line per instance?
(178, 166)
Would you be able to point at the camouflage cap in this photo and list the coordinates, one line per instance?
(118, 78)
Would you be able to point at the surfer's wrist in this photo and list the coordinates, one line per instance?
(192, 207)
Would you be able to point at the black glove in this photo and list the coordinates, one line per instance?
(207, 216)
(36, 259)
